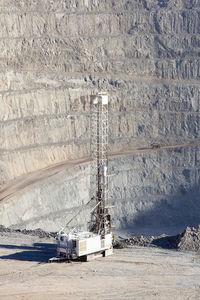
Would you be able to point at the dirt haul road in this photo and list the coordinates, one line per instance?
(132, 273)
(18, 186)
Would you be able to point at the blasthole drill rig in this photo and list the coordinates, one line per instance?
(99, 238)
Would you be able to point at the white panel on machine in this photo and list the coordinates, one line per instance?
(104, 99)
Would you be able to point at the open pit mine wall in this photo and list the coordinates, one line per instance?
(145, 54)
(155, 190)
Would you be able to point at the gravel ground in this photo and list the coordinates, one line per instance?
(130, 273)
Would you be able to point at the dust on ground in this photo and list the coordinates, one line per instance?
(130, 273)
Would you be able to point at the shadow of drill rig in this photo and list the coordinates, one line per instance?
(39, 252)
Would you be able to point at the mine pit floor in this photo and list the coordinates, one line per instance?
(130, 273)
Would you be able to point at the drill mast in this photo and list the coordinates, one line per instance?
(98, 240)
(100, 218)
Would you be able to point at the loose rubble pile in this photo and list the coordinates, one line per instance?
(188, 240)
(36, 232)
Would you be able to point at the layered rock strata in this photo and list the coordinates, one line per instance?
(145, 54)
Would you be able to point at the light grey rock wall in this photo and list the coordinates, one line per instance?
(52, 203)
(41, 128)
(54, 54)
(157, 190)
(152, 190)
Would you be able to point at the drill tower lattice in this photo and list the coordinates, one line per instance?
(98, 240)
(100, 217)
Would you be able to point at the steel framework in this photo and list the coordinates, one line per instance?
(100, 217)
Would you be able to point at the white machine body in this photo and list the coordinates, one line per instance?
(74, 245)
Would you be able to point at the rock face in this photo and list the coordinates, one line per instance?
(151, 190)
(146, 55)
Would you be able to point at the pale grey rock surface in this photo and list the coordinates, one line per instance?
(146, 55)
(155, 190)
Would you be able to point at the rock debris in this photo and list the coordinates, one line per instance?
(188, 240)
